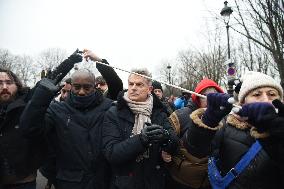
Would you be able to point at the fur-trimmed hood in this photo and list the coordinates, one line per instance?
(232, 120)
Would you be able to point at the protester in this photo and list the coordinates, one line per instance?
(101, 84)
(135, 132)
(19, 156)
(77, 123)
(242, 155)
(185, 176)
(182, 101)
(65, 90)
(158, 90)
(18, 164)
(171, 99)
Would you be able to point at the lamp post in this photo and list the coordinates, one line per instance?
(231, 72)
(169, 72)
(169, 68)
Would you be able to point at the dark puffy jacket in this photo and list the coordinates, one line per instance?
(181, 118)
(79, 160)
(229, 145)
(122, 151)
(19, 156)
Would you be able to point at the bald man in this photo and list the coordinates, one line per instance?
(76, 122)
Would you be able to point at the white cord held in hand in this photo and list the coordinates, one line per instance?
(168, 84)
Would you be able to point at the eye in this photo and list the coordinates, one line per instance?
(10, 82)
(256, 94)
(77, 87)
(272, 94)
(87, 87)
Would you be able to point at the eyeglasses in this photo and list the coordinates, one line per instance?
(86, 87)
(8, 82)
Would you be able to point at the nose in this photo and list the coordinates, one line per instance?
(82, 92)
(264, 98)
(4, 85)
(64, 95)
(133, 87)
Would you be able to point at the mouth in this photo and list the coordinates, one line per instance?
(5, 92)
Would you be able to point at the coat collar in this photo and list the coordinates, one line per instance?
(242, 125)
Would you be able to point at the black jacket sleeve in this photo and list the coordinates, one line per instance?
(116, 148)
(64, 67)
(198, 137)
(113, 81)
(35, 120)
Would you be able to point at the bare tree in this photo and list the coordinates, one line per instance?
(206, 62)
(6, 59)
(50, 58)
(262, 22)
(26, 70)
(22, 65)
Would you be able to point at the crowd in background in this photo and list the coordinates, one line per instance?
(88, 132)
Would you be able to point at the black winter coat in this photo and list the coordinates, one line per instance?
(121, 150)
(79, 160)
(19, 156)
(230, 144)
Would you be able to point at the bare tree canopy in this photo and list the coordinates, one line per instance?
(262, 23)
(6, 59)
(50, 58)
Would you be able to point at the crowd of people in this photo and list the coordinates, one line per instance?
(87, 132)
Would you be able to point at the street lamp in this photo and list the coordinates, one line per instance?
(169, 68)
(226, 12)
(231, 72)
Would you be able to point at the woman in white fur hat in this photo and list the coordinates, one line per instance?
(247, 150)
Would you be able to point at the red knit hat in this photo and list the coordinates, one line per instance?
(203, 84)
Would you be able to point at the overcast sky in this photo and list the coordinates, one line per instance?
(128, 33)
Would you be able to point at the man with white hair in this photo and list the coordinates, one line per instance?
(135, 132)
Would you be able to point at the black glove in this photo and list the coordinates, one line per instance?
(49, 85)
(280, 106)
(264, 117)
(152, 133)
(217, 108)
(61, 71)
(75, 57)
(259, 114)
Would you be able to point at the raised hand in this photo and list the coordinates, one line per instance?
(258, 114)
(217, 108)
(91, 55)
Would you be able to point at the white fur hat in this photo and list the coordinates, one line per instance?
(253, 80)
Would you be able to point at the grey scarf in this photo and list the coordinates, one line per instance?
(142, 112)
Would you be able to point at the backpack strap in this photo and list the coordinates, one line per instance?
(219, 182)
